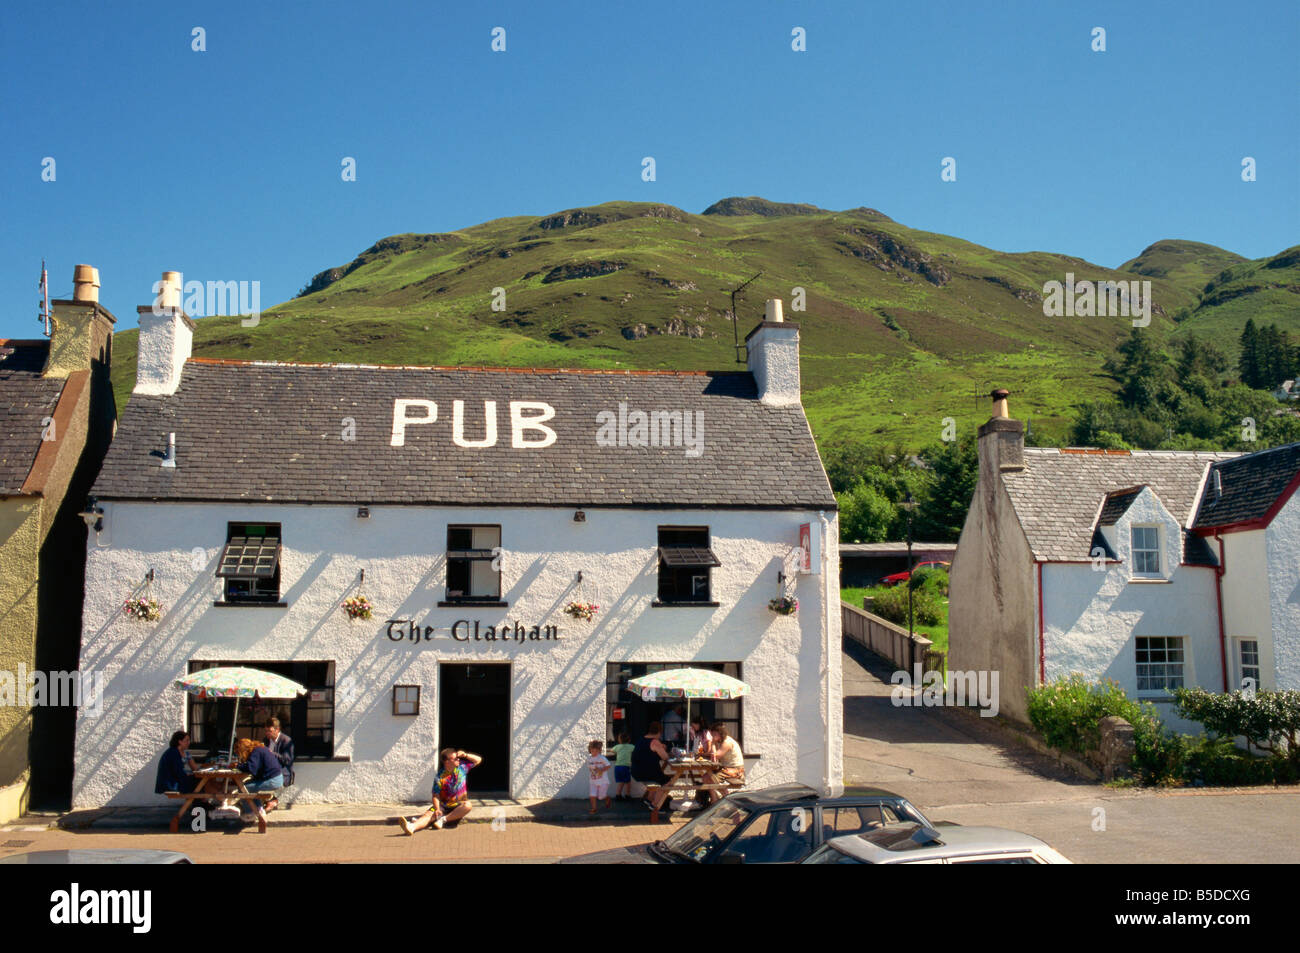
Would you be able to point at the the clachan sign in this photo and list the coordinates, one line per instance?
(467, 630)
(526, 419)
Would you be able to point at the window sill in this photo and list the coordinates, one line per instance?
(1150, 580)
(336, 759)
(472, 603)
(251, 605)
(656, 604)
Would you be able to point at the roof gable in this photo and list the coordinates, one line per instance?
(1252, 489)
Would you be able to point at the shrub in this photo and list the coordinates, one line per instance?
(1220, 762)
(1268, 720)
(891, 604)
(1069, 711)
(932, 579)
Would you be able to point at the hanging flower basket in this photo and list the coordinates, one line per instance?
(582, 610)
(786, 605)
(143, 608)
(358, 607)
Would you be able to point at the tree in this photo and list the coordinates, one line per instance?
(954, 470)
(1140, 366)
(1197, 357)
(1248, 361)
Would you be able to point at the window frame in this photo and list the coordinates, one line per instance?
(262, 590)
(688, 578)
(298, 727)
(406, 701)
(469, 557)
(617, 695)
(1169, 680)
(1156, 550)
(1242, 665)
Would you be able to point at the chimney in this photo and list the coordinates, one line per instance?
(772, 351)
(81, 330)
(1002, 440)
(166, 336)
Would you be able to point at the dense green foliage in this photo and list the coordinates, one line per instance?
(927, 605)
(1068, 713)
(1180, 401)
(872, 484)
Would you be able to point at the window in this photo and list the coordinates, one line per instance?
(838, 821)
(307, 719)
(777, 837)
(250, 564)
(406, 699)
(1159, 663)
(1146, 550)
(1248, 664)
(685, 562)
(627, 712)
(472, 558)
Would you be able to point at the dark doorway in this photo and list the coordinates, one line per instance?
(474, 715)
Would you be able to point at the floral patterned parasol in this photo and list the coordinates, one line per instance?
(230, 682)
(687, 683)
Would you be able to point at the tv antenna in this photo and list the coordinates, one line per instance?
(735, 318)
(44, 315)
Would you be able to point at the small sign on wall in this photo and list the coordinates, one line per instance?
(809, 545)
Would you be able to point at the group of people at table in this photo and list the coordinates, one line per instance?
(269, 763)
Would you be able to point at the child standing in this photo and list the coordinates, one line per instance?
(598, 767)
(623, 767)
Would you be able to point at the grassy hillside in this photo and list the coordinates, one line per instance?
(902, 328)
(1267, 290)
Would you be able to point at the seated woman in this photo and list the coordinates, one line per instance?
(647, 764)
(701, 744)
(256, 759)
(729, 757)
(172, 766)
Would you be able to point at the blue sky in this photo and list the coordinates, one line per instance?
(225, 164)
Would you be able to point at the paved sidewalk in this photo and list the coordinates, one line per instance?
(484, 811)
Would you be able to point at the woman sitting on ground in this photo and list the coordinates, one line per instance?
(256, 759)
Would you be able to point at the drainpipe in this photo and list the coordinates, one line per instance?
(1219, 570)
(827, 648)
(1042, 632)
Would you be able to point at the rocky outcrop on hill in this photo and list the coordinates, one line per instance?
(586, 269)
(753, 205)
(888, 253)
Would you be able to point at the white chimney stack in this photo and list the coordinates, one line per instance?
(773, 357)
(166, 337)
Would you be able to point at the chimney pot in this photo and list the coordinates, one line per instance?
(85, 284)
(169, 295)
(1000, 402)
(774, 310)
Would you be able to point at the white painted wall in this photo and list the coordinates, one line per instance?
(1092, 618)
(558, 695)
(1247, 609)
(1283, 555)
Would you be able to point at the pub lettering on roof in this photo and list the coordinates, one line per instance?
(527, 421)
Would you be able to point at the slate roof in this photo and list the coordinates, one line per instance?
(1117, 504)
(1060, 495)
(1250, 486)
(26, 399)
(264, 431)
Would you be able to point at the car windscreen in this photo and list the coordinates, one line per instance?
(702, 836)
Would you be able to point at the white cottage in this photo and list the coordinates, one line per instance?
(1154, 569)
(470, 506)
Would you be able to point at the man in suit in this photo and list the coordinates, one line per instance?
(280, 745)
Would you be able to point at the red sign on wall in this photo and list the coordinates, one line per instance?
(805, 543)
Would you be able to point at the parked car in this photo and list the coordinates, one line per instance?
(778, 825)
(98, 855)
(941, 844)
(894, 579)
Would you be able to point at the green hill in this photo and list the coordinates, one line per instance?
(901, 328)
(1267, 290)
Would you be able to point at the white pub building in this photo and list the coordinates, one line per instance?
(470, 507)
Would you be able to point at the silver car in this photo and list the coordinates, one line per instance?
(941, 844)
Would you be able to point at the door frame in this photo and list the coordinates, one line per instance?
(510, 715)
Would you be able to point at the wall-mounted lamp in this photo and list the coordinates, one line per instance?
(363, 512)
(148, 577)
(93, 515)
(579, 575)
(580, 517)
(362, 577)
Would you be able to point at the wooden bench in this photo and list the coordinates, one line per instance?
(189, 799)
(732, 784)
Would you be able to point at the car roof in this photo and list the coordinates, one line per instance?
(96, 855)
(794, 793)
(897, 843)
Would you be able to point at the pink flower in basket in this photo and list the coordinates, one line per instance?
(582, 610)
(146, 610)
(358, 607)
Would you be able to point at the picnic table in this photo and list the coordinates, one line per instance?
(219, 782)
(687, 774)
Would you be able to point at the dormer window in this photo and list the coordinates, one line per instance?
(1146, 550)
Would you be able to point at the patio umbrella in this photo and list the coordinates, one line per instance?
(234, 682)
(687, 683)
